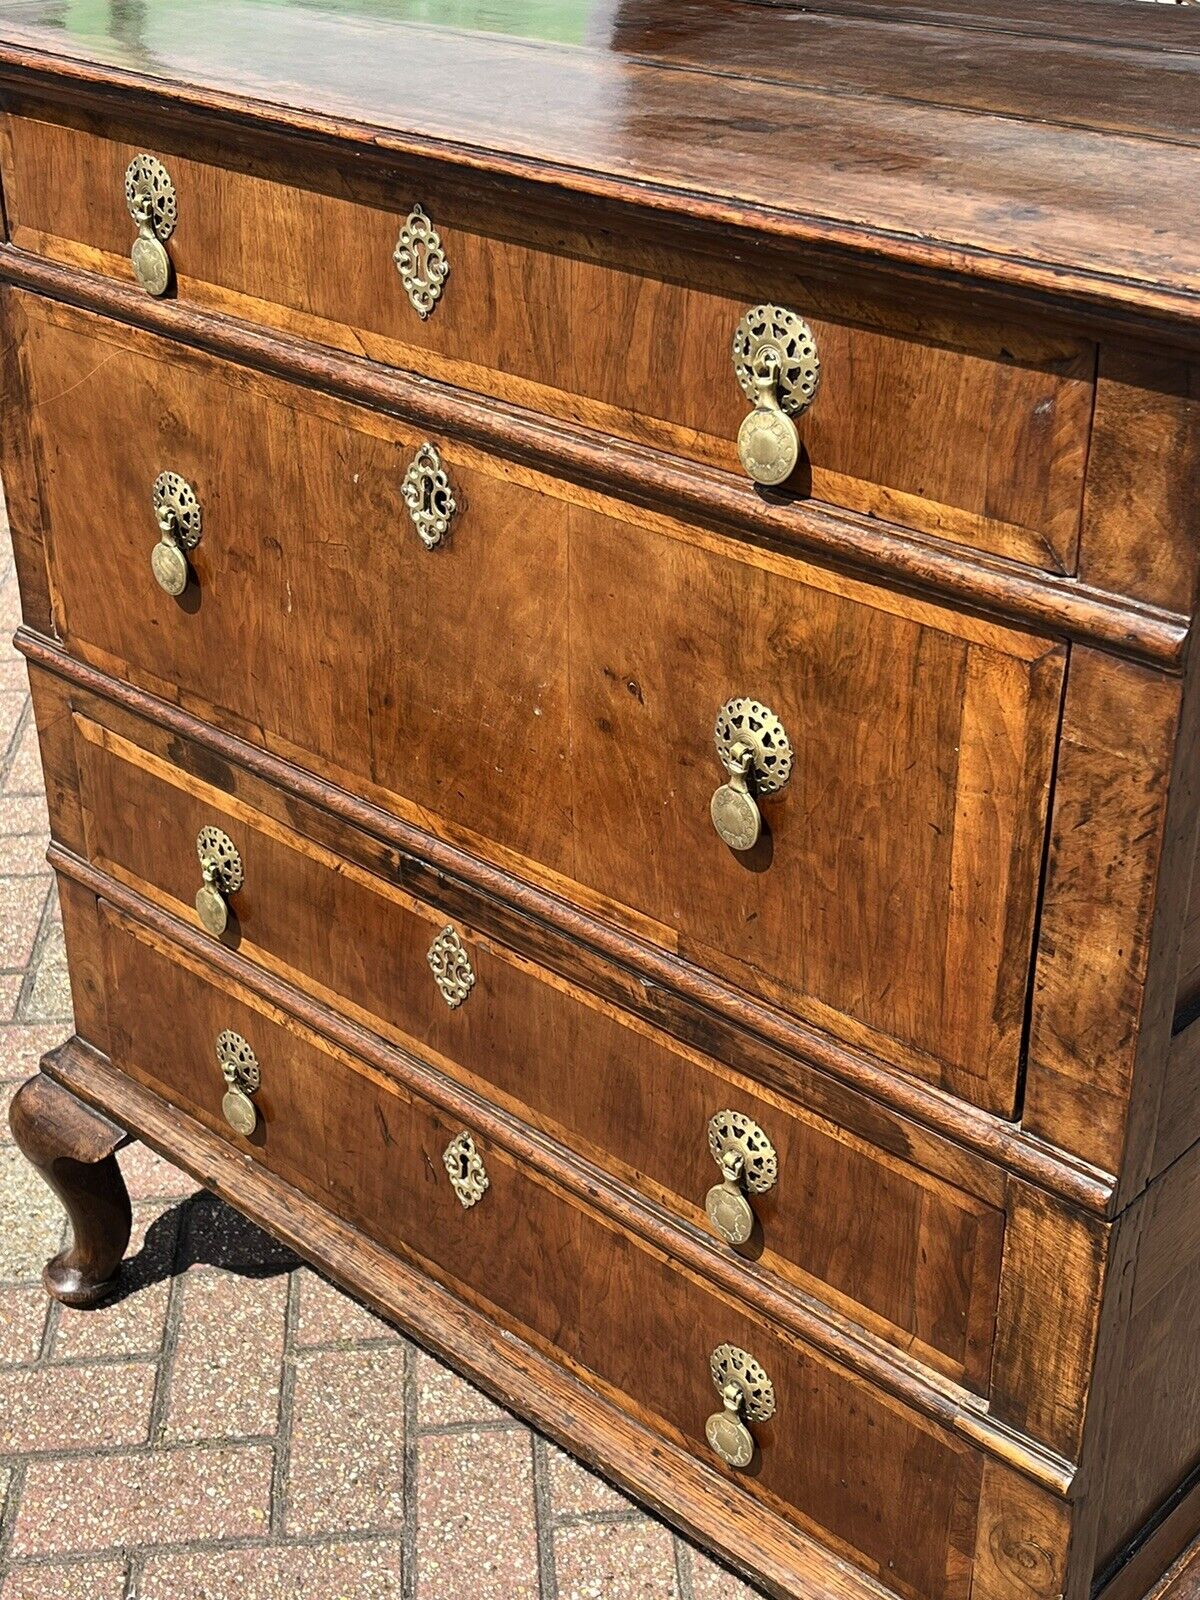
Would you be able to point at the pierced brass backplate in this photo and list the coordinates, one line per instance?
(747, 1161)
(221, 869)
(150, 196)
(428, 496)
(421, 262)
(776, 363)
(180, 523)
(468, 1176)
(755, 751)
(239, 1068)
(451, 967)
(746, 1393)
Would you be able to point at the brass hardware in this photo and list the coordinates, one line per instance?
(239, 1068)
(746, 1392)
(150, 196)
(177, 512)
(428, 496)
(451, 967)
(776, 362)
(468, 1177)
(421, 262)
(747, 1161)
(221, 869)
(754, 749)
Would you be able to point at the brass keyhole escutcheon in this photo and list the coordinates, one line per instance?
(421, 262)
(180, 523)
(221, 870)
(776, 364)
(451, 967)
(753, 747)
(428, 496)
(465, 1169)
(748, 1164)
(150, 197)
(239, 1067)
(747, 1395)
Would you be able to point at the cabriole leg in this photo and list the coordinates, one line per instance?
(74, 1148)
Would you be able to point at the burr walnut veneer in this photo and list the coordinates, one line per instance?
(609, 596)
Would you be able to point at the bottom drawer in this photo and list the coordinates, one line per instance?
(869, 1476)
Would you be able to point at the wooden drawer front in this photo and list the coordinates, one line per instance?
(973, 432)
(876, 1479)
(543, 689)
(911, 1255)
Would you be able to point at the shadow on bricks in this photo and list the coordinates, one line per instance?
(200, 1231)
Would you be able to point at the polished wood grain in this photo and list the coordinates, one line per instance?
(873, 1234)
(1051, 1271)
(892, 1371)
(1033, 60)
(1036, 599)
(1151, 1446)
(575, 759)
(540, 1262)
(1048, 1319)
(896, 1112)
(1122, 842)
(21, 493)
(787, 1561)
(653, 361)
(1143, 466)
(1026, 198)
(956, 984)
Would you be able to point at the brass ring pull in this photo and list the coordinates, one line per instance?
(776, 363)
(221, 870)
(748, 1163)
(747, 1395)
(240, 1070)
(753, 747)
(150, 197)
(179, 519)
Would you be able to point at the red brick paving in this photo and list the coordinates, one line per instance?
(147, 1497)
(229, 1426)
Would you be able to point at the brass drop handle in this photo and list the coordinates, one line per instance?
(222, 874)
(776, 363)
(150, 197)
(753, 747)
(240, 1070)
(748, 1165)
(734, 809)
(179, 520)
(768, 439)
(747, 1395)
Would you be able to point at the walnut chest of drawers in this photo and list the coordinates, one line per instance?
(609, 597)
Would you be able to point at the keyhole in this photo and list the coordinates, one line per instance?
(420, 260)
(464, 1166)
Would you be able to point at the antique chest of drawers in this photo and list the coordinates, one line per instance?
(609, 595)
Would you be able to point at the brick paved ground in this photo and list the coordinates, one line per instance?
(231, 1427)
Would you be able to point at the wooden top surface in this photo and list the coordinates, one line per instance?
(1050, 144)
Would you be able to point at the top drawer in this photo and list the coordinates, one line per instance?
(966, 429)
